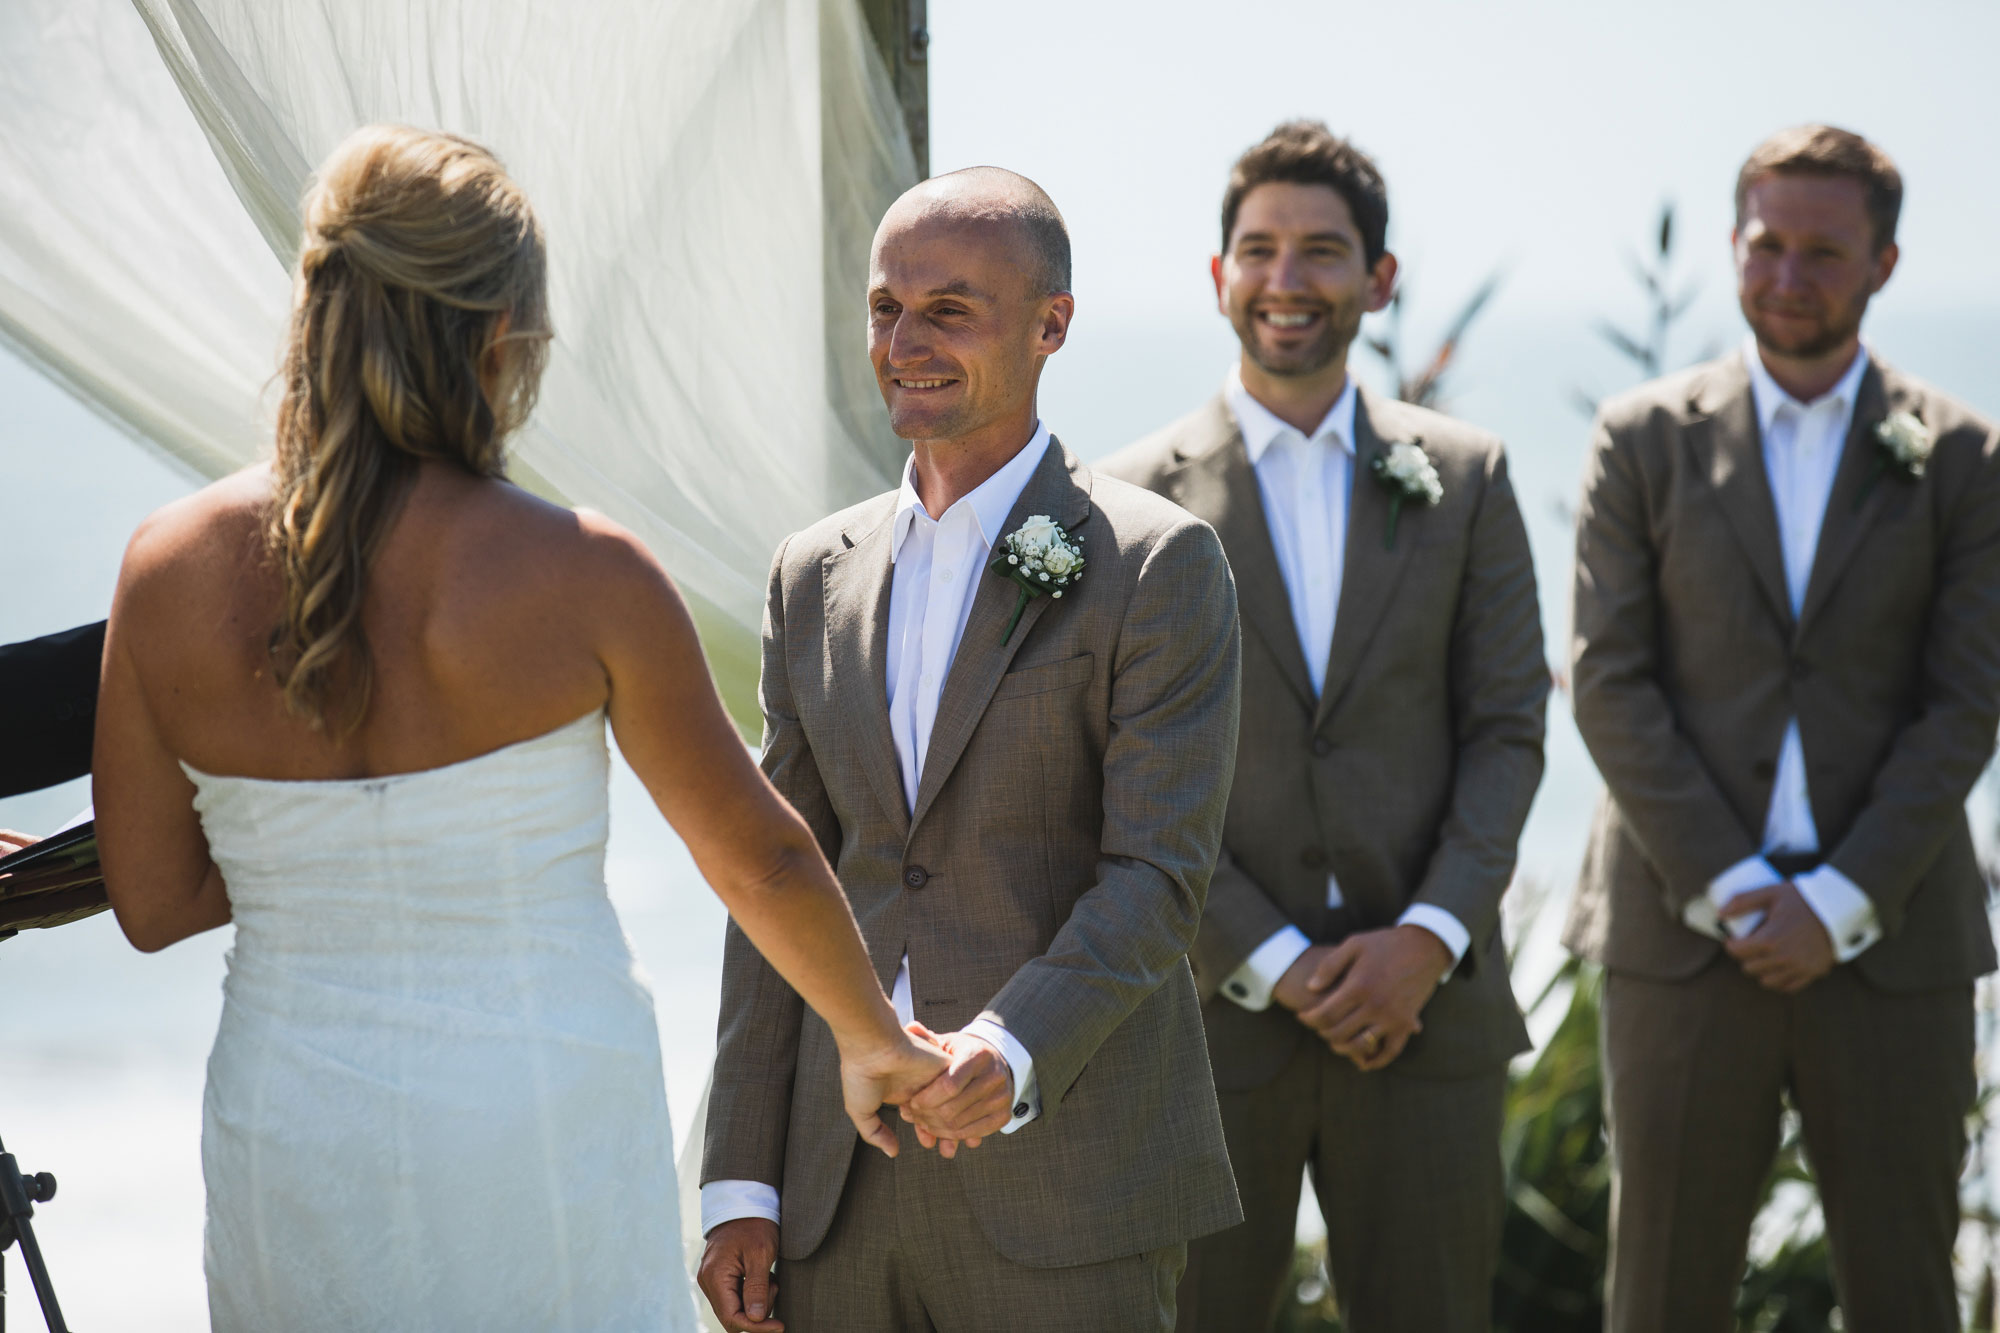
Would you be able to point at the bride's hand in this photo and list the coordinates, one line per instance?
(889, 1075)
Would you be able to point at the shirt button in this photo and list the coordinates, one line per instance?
(915, 876)
(1020, 1109)
(946, 576)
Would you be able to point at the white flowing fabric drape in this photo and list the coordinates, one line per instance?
(708, 172)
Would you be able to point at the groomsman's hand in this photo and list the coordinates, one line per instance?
(11, 841)
(1380, 980)
(1294, 989)
(1790, 949)
(972, 1098)
(735, 1275)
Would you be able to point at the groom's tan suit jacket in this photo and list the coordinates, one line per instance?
(1688, 662)
(1410, 775)
(1051, 877)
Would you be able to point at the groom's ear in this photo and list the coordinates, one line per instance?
(1054, 329)
(1215, 272)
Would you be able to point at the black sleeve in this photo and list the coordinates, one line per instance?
(48, 708)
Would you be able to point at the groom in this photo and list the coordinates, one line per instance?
(1023, 796)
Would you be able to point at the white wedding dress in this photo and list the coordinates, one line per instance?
(435, 1100)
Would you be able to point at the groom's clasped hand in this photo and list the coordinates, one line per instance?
(955, 1089)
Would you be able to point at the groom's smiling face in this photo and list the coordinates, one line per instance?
(1296, 280)
(957, 325)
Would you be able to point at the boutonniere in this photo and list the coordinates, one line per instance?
(1038, 557)
(1410, 476)
(1903, 442)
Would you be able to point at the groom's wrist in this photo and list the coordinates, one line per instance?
(727, 1200)
(1026, 1100)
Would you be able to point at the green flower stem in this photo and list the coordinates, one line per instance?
(1395, 512)
(1019, 606)
(1874, 474)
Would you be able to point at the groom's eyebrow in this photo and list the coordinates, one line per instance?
(959, 287)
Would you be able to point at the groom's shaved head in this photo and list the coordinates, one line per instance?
(1004, 201)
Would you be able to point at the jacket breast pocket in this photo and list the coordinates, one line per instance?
(1044, 678)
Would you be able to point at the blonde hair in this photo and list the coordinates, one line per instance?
(419, 330)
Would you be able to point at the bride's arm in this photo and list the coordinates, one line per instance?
(157, 872)
(755, 851)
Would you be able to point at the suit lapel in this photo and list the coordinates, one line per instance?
(1729, 446)
(1218, 486)
(1060, 489)
(1841, 530)
(855, 584)
(1372, 568)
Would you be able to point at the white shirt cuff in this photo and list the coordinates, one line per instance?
(1450, 931)
(1702, 912)
(1847, 913)
(726, 1200)
(1251, 984)
(1021, 1065)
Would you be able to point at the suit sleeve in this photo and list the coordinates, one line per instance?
(757, 1034)
(1499, 692)
(1918, 796)
(1175, 676)
(1240, 919)
(48, 708)
(1683, 823)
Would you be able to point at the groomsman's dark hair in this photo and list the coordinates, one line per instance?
(1822, 150)
(1306, 152)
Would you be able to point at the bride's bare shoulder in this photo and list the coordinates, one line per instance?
(202, 535)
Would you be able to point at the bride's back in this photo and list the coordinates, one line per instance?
(480, 614)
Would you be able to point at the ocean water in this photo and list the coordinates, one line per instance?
(102, 1048)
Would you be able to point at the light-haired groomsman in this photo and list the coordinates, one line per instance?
(1355, 986)
(1787, 666)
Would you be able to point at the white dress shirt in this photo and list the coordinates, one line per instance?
(1305, 482)
(1802, 448)
(939, 563)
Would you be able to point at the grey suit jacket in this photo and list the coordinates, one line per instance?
(1687, 663)
(1051, 877)
(1411, 775)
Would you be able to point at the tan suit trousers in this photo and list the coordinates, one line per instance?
(905, 1255)
(1695, 1075)
(1409, 1180)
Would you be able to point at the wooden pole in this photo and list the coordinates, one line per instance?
(902, 35)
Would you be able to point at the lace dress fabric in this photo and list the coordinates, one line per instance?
(435, 1099)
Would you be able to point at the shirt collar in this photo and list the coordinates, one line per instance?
(991, 500)
(1261, 427)
(1769, 395)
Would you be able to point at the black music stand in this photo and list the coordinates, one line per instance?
(19, 1194)
(47, 884)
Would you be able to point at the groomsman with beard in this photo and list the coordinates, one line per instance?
(1357, 1003)
(1786, 661)
(1019, 769)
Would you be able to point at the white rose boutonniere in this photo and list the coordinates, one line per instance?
(1410, 476)
(1904, 443)
(1038, 557)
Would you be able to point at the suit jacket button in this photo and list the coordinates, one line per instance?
(914, 876)
(1020, 1109)
(1764, 769)
(1313, 858)
(64, 712)
(1801, 668)
(1322, 746)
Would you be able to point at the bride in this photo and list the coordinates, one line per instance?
(354, 701)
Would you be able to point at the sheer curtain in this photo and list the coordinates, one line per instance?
(709, 173)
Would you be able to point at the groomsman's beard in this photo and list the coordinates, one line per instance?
(1336, 335)
(1833, 332)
